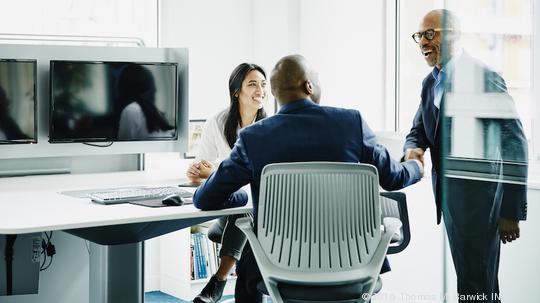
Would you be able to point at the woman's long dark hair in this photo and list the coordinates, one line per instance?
(235, 85)
(136, 84)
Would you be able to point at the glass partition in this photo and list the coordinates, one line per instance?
(481, 82)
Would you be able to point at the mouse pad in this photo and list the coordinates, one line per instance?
(158, 203)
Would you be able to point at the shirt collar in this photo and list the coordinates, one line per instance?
(449, 66)
(294, 105)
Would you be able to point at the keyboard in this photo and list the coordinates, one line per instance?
(124, 195)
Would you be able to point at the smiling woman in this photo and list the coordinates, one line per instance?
(247, 92)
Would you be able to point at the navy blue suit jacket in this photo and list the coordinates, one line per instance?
(426, 133)
(300, 131)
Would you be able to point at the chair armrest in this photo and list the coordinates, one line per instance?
(245, 225)
(394, 204)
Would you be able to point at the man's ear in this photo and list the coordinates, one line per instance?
(308, 87)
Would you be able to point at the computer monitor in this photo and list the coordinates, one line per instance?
(113, 101)
(17, 101)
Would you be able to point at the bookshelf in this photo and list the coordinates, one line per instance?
(169, 267)
(167, 258)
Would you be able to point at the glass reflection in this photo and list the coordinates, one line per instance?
(17, 101)
(484, 160)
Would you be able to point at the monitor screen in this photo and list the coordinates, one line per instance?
(17, 101)
(112, 101)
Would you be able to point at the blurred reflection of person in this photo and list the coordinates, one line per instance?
(478, 214)
(9, 129)
(140, 118)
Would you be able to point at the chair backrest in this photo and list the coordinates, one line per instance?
(319, 216)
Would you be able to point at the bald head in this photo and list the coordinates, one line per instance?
(438, 49)
(293, 79)
(443, 18)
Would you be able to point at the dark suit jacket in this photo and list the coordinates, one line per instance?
(300, 131)
(426, 133)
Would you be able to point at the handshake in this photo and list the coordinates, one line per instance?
(416, 154)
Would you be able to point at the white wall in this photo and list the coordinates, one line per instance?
(342, 39)
(219, 35)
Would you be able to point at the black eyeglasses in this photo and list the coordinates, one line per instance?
(428, 34)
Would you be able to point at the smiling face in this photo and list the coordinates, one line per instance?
(441, 48)
(253, 91)
(431, 49)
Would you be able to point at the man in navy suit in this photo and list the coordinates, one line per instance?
(301, 131)
(478, 214)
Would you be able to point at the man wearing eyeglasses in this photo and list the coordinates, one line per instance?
(477, 214)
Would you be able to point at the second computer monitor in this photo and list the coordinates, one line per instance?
(113, 101)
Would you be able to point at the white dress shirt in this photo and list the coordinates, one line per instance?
(213, 146)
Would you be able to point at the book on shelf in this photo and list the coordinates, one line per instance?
(201, 258)
(192, 256)
(205, 258)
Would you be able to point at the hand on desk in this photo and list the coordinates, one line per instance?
(199, 171)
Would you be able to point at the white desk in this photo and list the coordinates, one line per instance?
(34, 204)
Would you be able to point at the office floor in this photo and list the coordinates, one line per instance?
(159, 297)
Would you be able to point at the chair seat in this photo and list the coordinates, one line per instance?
(321, 293)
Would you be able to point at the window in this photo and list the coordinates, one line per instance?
(63, 18)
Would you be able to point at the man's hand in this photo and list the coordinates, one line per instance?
(415, 154)
(508, 230)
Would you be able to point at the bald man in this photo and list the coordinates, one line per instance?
(301, 131)
(478, 214)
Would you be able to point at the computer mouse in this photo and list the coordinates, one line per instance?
(173, 200)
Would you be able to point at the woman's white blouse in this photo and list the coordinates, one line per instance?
(213, 146)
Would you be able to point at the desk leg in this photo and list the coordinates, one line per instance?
(116, 273)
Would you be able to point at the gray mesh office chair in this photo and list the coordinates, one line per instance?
(319, 231)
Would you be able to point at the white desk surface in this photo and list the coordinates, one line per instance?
(33, 203)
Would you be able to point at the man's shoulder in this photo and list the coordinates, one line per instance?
(340, 111)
